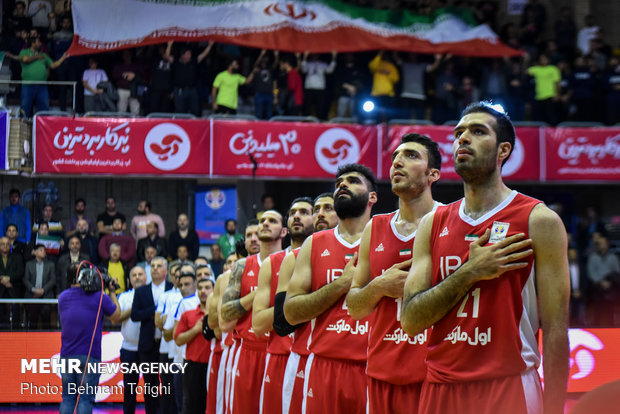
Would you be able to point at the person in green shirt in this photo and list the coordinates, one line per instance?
(225, 92)
(34, 68)
(547, 90)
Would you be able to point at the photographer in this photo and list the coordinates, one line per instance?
(81, 309)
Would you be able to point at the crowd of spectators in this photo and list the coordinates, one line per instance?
(566, 68)
(35, 254)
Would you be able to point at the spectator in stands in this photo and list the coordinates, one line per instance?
(493, 85)
(413, 74)
(39, 11)
(55, 226)
(315, 83)
(34, 68)
(586, 34)
(185, 78)
(351, 83)
(581, 89)
(547, 90)
(160, 87)
(577, 305)
(445, 104)
(264, 87)
(16, 214)
(225, 92)
(516, 90)
(385, 76)
(530, 32)
(611, 86)
(468, 93)
(68, 70)
(17, 247)
(217, 260)
(603, 269)
(152, 239)
(43, 237)
(144, 217)
(116, 268)
(18, 21)
(79, 213)
(73, 256)
(230, 261)
(39, 282)
(11, 275)
(149, 253)
(106, 219)
(125, 241)
(127, 76)
(184, 236)
(88, 244)
(566, 33)
(291, 99)
(228, 240)
(91, 79)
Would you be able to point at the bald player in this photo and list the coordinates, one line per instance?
(300, 226)
(249, 362)
(322, 277)
(395, 366)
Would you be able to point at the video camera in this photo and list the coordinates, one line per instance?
(89, 278)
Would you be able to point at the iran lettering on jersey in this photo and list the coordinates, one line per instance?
(393, 356)
(279, 345)
(334, 333)
(249, 283)
(491, 332)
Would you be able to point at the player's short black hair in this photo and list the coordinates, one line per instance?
(361, 169)
(432, 148)
(503, 128)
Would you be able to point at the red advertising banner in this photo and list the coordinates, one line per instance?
(582, 154)
(291, 149)
(118, 146)
(523, 163)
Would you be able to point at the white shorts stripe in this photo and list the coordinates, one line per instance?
(533, 391)
(290, 374)
(262, 387)
(306, 382)
(221, 374)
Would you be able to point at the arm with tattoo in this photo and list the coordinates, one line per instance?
(233, 305)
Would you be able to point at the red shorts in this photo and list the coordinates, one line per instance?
(334, 386)
(271, 391)
(517, 394)
(293, 387)
(384, 397)
(247, 376)
(212, 377)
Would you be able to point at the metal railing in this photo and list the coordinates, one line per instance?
(73, 85)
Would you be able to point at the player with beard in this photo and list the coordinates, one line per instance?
(395, 366)
(323, 217)
(249, 361)
(322, 277)
(486, 269)
(299, 224)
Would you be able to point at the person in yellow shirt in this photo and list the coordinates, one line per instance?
(385, 77)
(116, 268)
(547, 90)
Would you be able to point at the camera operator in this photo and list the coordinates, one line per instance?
(81, 319)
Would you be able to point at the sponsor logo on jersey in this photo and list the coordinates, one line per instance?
(444, 232)
(300, 374)
(400, 337)
(405, 252)
(342, 326)
(267, 378)
(251, 273)
(477, 338)
(499, 231)
(379, 248)
(325, 253)
(237, 374)
(471, 237)
(310, 393)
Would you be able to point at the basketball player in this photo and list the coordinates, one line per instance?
(249, 362)
(324, 217)
(335, 371)
(486, 269)
(299, 225)
(395, 366)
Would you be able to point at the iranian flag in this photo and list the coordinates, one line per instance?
(290, 26)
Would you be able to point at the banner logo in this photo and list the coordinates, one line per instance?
(515, 161)
(582, 343)
(215, 199)
(290, 10)
(167, 146)
(335, 147)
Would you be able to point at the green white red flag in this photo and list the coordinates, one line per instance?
(318, 26)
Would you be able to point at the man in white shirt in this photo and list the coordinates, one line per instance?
(315, 83)
(90, 79)
(131, 332)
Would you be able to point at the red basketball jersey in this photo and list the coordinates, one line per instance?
(301, 334)
(491, 332)
(277, 344)
(393, 356)
(249, 282)
(334, 333)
